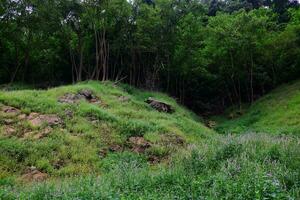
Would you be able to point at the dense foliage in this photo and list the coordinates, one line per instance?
(208, 54)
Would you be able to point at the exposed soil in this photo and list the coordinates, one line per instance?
(138, 144)
(33, 174)
(173, 139)
(14, 117)
(115, 148)
(36, 119)
(123, 99)
(9, 130)
(134, 144)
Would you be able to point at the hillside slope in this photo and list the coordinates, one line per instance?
(63, 132)
(96, 140)
(277, 113)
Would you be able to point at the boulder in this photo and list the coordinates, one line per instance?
(160, 106)
(85, 94)
(10, 110)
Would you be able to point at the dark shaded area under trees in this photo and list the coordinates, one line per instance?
(208, 54)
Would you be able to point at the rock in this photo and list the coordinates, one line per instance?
(88, 94)
(28, 134)
(43, 133)
(33, 174)
(160, 106)
(8, 130)
(115, 148)
(8, 121)
(69, 98)
(123, 99)
(33, 115)
(211, 124)
(10, 110)
(82, 94)
(69, 113)
(172, 139)
(138, 144)
(37, 120)
(103, 153)
(22, 117)
(58, 164)
(153, 159)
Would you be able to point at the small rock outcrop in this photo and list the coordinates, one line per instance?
(85, 94)
(33, 174)
(160, 106)
(10, 110)
(36, 119)
(123, 99)
(138, 144)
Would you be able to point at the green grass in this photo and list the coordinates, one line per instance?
(276, 113)
(250, 166)
(77, 143)
(195, 162)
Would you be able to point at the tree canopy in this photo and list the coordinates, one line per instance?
(208, 54)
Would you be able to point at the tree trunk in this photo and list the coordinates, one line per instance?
(251, 79)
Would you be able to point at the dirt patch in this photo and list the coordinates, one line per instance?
(159, 106)
(22, 116)
(154, 159)
(38, 134)
(84, 94)
(13, 123)
(33, 174)
(115, 148)
(134, 144)
(173, 139)
(124, 99)
(58, 164)
(138, 144)
(69, 113)
(8, 121)
(9, 130)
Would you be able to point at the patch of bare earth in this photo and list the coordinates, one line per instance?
(123, 99)
(138, 144)
(134, 144)
(32, 174)
(173, 139)
(14, 118)
(37, 120)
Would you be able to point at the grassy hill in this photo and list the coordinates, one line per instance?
(276, 113)
(88, 130)
(101, 141)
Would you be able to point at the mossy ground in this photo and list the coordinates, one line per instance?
(275, 113)
(206, 166)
